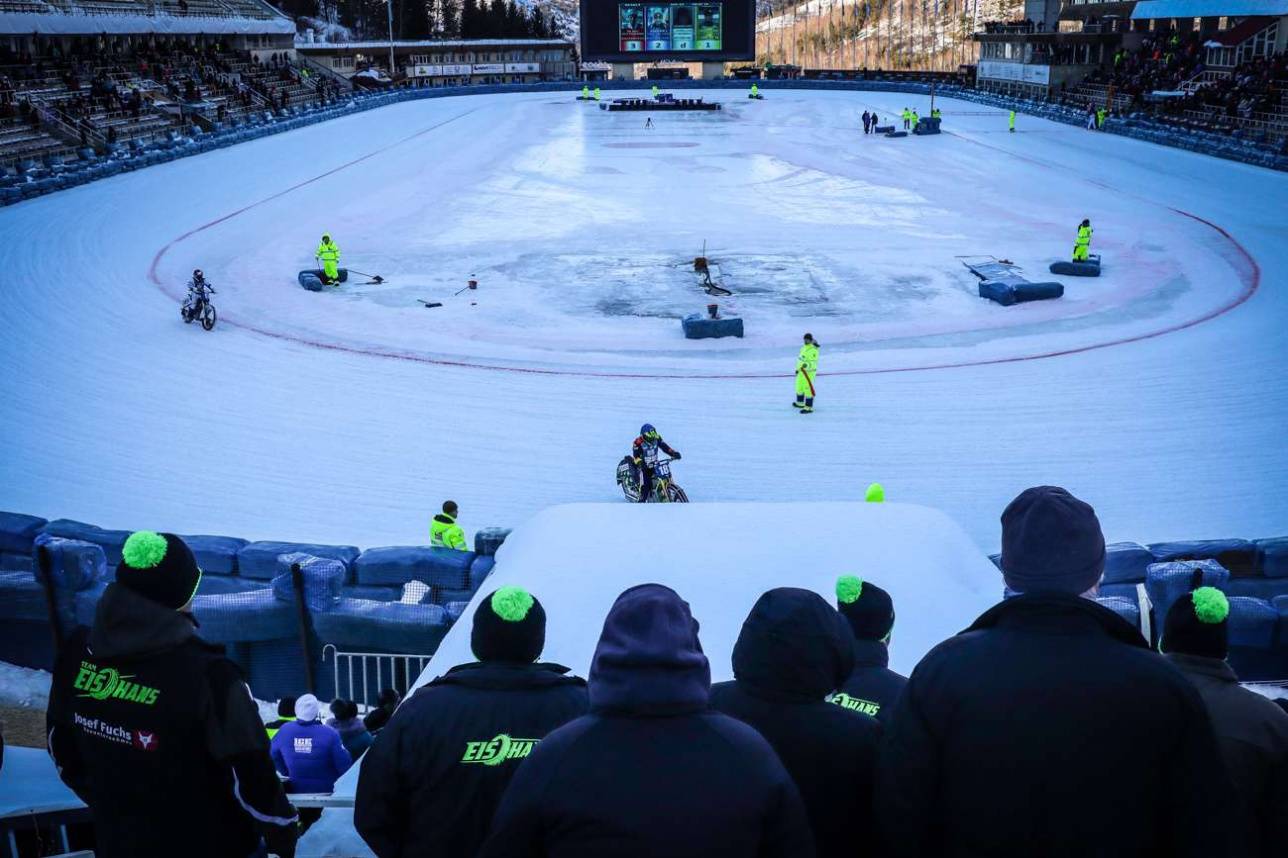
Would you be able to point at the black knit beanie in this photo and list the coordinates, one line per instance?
(1051, 541)
(509, 625)
(1197, 624)
(868, 608)
(160, 567)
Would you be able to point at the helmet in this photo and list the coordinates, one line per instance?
(326, 236)
(197, 275)
(647, 431)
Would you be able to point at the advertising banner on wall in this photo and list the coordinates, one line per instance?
(1018, 72)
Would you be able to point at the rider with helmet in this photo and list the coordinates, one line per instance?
(199, 292)
(644, 455)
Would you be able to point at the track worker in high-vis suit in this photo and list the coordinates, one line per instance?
(806, 372)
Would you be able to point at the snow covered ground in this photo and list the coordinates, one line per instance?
(1157, 392)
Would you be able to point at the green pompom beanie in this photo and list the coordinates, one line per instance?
(1197, 624)
(868, 609)
(160, 567)
(509, 625)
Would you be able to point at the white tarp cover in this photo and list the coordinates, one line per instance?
(67, 24)
(577, 558)
(1150, 9)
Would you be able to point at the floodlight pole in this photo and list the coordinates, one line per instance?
(389, 9)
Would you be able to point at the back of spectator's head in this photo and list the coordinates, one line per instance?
(343, 710)
(1051, 542)
(649, 659)
(450, 508)
(388, 697)
(1197, 624)
(793, 643)
(509, 625)
(286, 707)
(160, 567)
(868, 609)
(307, 708)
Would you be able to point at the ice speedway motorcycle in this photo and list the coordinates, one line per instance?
(197, 307)
(629, 479)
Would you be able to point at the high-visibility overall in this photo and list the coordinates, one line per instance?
(806, 372)
(1082, 244)
(329, 255)
(1011, 121)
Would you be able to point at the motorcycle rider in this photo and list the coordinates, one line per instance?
(199, 292)
(644, 455)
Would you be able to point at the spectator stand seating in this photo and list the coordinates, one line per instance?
(278, 607)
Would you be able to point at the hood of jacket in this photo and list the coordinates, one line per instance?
(1196, 665)
(1052, 611)
(793, 646)
(506, 676)
(127, 624)
(648, 660)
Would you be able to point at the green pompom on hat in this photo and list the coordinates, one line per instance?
(512, 604)
(160, 567)
(1197, 624)
(875, 493)
(509, 625)
(848, 589)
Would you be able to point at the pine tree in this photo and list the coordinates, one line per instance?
(471, 19)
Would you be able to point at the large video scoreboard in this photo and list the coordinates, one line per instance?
(618, 31)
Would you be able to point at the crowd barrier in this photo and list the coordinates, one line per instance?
(275, 606)
(91, 167)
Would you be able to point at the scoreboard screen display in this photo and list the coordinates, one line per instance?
(616, 31)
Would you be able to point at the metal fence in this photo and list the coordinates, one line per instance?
(360, 676)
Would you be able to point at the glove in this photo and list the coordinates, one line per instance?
(676, 455)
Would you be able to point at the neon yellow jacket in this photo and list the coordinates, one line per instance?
(1084, 235)
(444, 532)
(808, 361)
(328, 251)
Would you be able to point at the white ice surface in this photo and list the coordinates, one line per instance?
(324, 417)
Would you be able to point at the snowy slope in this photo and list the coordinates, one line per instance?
(325, 417)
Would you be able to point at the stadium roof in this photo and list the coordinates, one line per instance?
(1150, 9)
(459, 43)
(130, 21)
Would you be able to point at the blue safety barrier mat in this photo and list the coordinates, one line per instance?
(109, 540)
(366, 626)
(395, 566)
(18, 531)
(1272, 558)
(259, 559)
(1167, 582)
(1239, 556)
(216, 554)
(699, 327)
(1126, 562)
(322, 578)
(488, 539)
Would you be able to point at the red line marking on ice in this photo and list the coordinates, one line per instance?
(1251, 281)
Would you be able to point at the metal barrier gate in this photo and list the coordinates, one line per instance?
(360, 676)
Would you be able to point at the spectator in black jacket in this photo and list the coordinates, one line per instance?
(386, 704)
(652, 771)
(155, 730)
(872, 687)
(795, 650)
(1251, 730)
(435, 774)
(1049, 727)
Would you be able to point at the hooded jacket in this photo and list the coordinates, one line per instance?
(872, 687)
(158, 734)
(794, 650)
(435, 774)
(311, 755)
(354, 735)
(651, 771)
(1253, 734)
(1049, 728)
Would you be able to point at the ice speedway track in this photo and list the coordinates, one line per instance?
(1159, 391)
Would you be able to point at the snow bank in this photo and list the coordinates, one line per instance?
(23, 687)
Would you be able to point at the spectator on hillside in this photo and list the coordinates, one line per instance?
(444, 532)
(154, 729)
(651, 771)
(386, 703)
(1048, 726)
(285, 714)
(794, 650)
(872, 687)
(437, 772)
(1251, 730)
(310, 755)
(353, 733)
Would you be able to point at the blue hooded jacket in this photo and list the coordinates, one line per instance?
(311, 754)
(651, 771)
